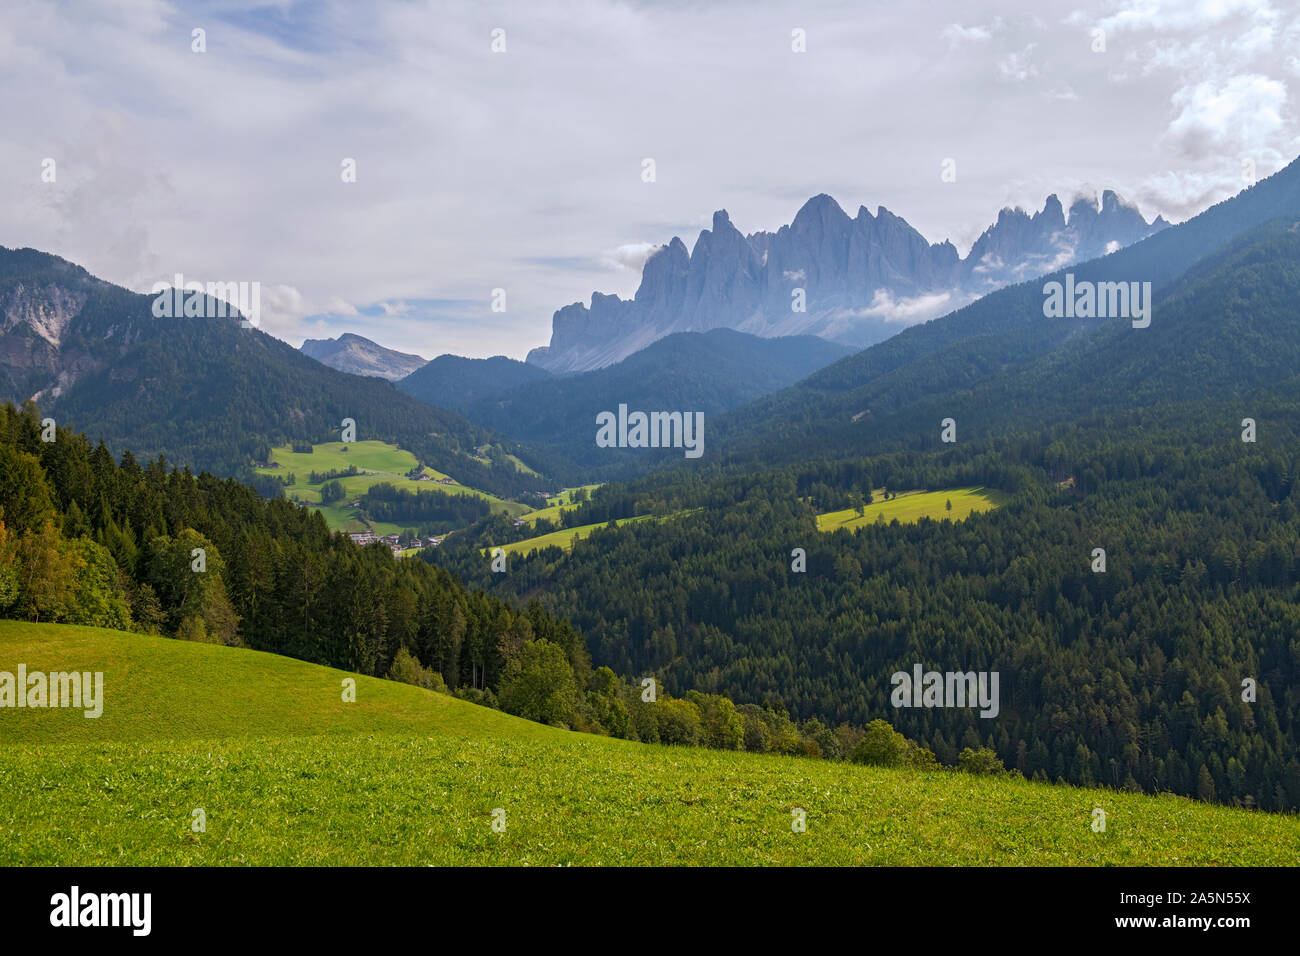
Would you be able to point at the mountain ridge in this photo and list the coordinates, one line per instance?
(706, 372)
(858, 280)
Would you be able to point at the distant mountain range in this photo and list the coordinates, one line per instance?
(856, 281)
(360, 356)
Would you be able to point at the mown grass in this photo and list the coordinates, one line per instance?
(912, 506)
(288, 774)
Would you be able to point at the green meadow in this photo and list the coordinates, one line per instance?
(287, 773)
(912, 506)
(378, 462)
(565, 537)
(557, 506)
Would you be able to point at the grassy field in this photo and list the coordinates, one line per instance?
(558, 505)
(286, 773)
(378, 461)
(519, 464)
(565, 537)
(911, 506)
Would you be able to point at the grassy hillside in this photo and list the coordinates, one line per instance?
(287, 773)
(912, 506)
(379, 462)
(565, 537)
(558, 505)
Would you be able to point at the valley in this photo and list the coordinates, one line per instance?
(649, 435)
(375, 462)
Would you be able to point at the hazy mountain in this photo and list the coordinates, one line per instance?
(862, 278)
(707, 372)
(360, 356)
(451, 381)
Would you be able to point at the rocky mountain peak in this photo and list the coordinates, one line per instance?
(839, 269)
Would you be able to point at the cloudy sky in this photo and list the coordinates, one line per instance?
(523, 169)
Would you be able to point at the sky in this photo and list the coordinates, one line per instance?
(504, 146)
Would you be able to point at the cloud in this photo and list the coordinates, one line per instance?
(1165, 15)
(906, 311)
(631, 256)
(1239, 117)
(957, 34)
(1016, 67)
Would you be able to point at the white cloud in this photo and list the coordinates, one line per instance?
(1017, 67)
(906, 311)
(1163, 15)
(1240, 117)
(631, 256)
(957, 34)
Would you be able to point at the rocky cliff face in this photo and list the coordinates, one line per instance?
(57, 323)
(860, 279)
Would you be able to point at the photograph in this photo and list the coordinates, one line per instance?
(844, 451)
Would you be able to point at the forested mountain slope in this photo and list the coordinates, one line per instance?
(839, 408)
(205, 392)
(707, 372)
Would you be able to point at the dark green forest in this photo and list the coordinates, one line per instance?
(1127, 678)
(430, 512)
(709, 372)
